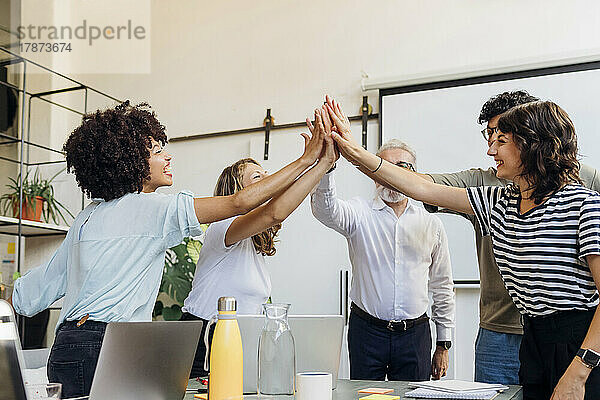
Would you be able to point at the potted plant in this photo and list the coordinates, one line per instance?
(38, 199)
(178, 274)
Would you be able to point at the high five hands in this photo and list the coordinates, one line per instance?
(331, 124)
(340, 129)
(322, 131)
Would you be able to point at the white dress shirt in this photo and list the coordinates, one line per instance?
(395, 260)
(236, 270)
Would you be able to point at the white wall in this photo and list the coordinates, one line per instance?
(219, 65)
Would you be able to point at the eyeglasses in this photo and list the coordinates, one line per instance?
(488, 132)
(406, 165)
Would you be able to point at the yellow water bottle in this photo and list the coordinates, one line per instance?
(225, 379)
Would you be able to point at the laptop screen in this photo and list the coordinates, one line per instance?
(13, 388)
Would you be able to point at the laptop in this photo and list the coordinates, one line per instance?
(12, 386)
(138, 360)
(318, 341)
(145, 360)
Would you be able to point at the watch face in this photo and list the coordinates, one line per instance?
(592, 357)
(589, 357)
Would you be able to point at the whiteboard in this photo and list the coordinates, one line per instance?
(440, 122)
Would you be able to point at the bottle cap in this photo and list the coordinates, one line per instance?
(227, 304)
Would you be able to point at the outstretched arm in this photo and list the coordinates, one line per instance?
(281, 206)
(210, 209)
(409, 183)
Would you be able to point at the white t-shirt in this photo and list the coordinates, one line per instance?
(237, 271)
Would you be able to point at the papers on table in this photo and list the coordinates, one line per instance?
(380, 397)
(454, 389)
(421, 393)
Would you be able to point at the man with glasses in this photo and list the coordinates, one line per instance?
(500, 329)
(399, 255)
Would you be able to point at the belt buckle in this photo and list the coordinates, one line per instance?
(82, 320)
(393, 322)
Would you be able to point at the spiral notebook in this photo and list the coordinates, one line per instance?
(458, 386)
(422, 393)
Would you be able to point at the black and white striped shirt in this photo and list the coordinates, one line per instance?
(541, 253)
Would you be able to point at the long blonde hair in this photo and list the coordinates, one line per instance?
(230, 182)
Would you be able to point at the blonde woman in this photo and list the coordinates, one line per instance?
(232, 260)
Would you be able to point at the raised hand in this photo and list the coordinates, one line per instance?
(327, 123)
(330, 154)
(338, 118)
(313, 145)
(341, 130)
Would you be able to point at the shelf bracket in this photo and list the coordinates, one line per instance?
(268, 123)
(365, 111)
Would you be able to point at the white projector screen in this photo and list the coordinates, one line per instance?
(439, 120)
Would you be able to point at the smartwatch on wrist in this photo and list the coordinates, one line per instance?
(590, 358)
(445, 344)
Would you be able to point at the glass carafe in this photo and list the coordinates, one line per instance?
(276, 352)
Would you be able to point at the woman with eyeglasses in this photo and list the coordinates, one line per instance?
(545, 230)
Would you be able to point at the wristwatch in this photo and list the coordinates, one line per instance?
(590, 358)
(446, 344)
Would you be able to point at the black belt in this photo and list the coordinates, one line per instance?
(87, 324)
(393, 325)
(557, 318)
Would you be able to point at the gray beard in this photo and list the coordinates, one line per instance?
(389, 195)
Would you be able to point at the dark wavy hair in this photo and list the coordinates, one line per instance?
(230, 182)
(503, 102)
(109, 151)
(545, 136)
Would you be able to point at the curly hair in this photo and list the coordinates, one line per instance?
(546, 139)
(109, 151)
(503, 102)
(230, 182)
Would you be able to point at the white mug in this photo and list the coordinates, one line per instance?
(313, 386)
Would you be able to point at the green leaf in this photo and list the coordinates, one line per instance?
(176, 281)
(179, 268)
(158, 309)
(172, 313)
(193, 249)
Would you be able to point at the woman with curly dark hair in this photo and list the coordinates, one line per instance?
(109, 266)
(545, 231)
(232, 260)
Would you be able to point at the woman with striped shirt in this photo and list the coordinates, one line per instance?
(545, 230)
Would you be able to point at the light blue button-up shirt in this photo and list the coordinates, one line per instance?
(110, 264)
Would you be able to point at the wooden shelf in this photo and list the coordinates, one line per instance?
(10, 226)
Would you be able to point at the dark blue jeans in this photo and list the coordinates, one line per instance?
(74, 356)
(376, 352)
(497, 357)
